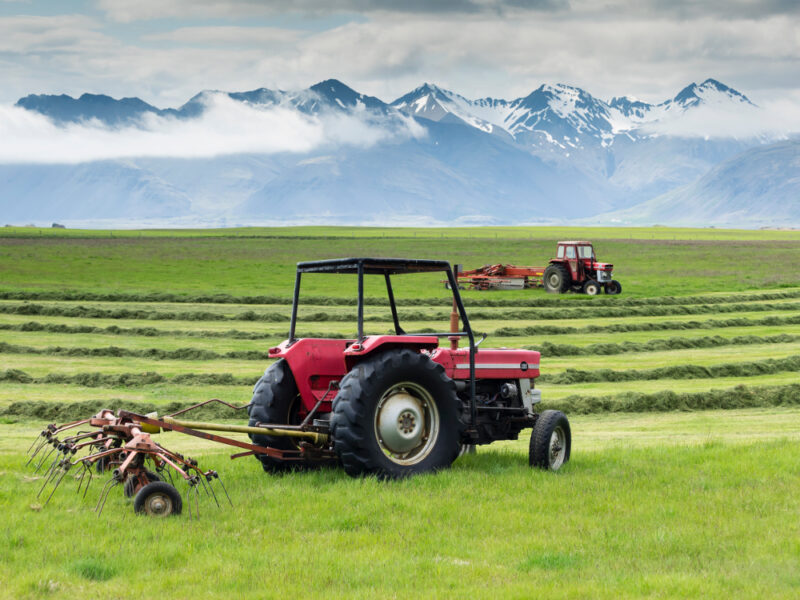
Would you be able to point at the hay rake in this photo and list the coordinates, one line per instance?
(121, 443)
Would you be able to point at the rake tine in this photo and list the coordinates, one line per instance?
(211, 487)
(224, 489)
(55, 487)
(44, 458)
(103, 491)
(104, 498)
(52, 469)
(197, 502)
(88, 482)
(81, 478)
(50, 474)
(188, 501)
(203, 483)
(36, 439)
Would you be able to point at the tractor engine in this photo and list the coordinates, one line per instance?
(502, 410)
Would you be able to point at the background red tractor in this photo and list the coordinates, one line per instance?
(574, 268)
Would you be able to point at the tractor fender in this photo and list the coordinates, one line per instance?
(377, 343)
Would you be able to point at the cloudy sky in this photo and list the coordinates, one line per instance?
(164, 51)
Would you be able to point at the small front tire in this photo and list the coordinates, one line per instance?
(158, 499)
(613, 287)
(551, 441)
(591, 288)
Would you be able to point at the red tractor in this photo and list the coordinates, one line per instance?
(575, 267)
(399, 404)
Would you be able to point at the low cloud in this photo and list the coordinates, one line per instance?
(226, 127)
(775, 120)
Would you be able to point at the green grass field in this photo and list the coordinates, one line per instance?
(662, 499)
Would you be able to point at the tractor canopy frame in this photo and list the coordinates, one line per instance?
(388, 267)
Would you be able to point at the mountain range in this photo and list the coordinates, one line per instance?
(431, 156)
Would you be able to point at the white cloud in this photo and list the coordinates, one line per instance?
(226, 127)
(730, 121)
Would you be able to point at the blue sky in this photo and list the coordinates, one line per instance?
(166, 51)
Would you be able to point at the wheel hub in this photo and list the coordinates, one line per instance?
(556, 450)
(400, 423)
(158, 505)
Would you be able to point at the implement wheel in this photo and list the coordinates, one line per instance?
(158, 499)
(556, 279)
(396, 414)
(275, 401)
(551, 441)
(613, 287)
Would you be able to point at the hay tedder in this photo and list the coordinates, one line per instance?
(383, 405)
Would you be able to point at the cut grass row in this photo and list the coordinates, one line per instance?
(470, 299)
(566, 377)
(549, 349)
(38, 366)
(738, 397)
(440, 316)
(54, 329)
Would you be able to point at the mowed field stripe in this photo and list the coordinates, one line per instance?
(569, 314)
(471, 299)
(173, 348)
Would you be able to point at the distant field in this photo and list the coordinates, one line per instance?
(648, 262)
(662, 497)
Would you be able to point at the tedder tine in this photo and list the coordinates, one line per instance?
(101, 502)
(211, 487)
(223, 488)
(44, 458)
(64, 471)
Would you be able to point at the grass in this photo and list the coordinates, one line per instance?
(263, 263)
(638, 511)
(661, 498)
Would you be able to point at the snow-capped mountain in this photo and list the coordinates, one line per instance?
(482, 160)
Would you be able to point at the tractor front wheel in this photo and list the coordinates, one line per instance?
(613, 287)
(551, 441)
(556, 279)
(275, 401)
(591, 288)
(396, 414)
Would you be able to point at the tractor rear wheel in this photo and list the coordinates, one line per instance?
(613, 287)
(556, 279)
(396, 414)
(551, 441)
(276, 401)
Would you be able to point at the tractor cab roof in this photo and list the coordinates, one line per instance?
(577, 242)
(373, 266)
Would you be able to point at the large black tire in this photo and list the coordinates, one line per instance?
(158, 499)
(275, 400)
(613, 287)
(396, 414)
(129, 487)
(551, 441)
(556, 279)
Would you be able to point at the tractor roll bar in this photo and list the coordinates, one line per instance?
(388, 267)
